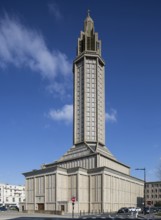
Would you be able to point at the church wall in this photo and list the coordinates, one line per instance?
(101, 102)
(86, 162)
(50, 206)
(50, 189)
(121, 192)
(30, 197)
(96, 193)
(30, 190)
(40, 186)
(99, 190)
(84, 188)
(73, 192)
(79, 103)
(90, 99)
(30, 207)
(39, 182)
(72, 186)
(62, 188)
(113, 165)
(83, 193)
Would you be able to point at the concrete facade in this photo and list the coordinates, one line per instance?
(100, 189)
(87, 171)
(11, 194)
(153, 193)
(89, 89)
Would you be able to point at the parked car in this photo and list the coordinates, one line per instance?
(132, 209)
(14, 208)
(153, 209)
(146, 210)
(138, 209)
(3, 208)
(159, 209)
(123, 210)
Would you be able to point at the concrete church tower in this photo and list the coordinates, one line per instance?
(88, 101)
(89, 107)
(87, 171)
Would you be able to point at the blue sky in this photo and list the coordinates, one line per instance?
(38, 42)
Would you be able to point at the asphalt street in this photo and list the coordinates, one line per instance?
(24, 216)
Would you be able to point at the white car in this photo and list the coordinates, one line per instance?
(132, 209)
(138, 209)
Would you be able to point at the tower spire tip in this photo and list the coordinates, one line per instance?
(88, 13)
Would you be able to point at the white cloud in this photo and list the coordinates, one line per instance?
(112, 116)
(54, 9)
(25, 47)
(61, 89)
(65, 113)
(57, 87)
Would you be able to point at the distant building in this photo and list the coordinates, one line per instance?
(153, 193)
(87, 173)
(11, 194)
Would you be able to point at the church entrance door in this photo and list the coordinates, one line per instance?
(40, 206)
(62, 208)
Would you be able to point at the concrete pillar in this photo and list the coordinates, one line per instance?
(34, 192)
(103, 194)
(90, 195)
(78, 191)
(98, 160)
(45, 192)
(56, 191)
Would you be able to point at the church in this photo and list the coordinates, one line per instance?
(88, 174)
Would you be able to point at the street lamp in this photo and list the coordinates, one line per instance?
(144, 169)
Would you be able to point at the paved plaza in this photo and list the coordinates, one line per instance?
(25, 216)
